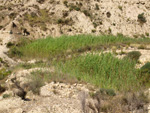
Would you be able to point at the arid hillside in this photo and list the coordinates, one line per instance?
(41, 18)
(99, 62)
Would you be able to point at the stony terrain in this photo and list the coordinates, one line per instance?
(37, 19)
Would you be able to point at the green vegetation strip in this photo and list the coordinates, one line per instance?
(105, 71)
(44, 48)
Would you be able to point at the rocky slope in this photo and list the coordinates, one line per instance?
(56, 97)
(41, 18)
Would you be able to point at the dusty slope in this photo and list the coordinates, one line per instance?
(5, 37)
(57, 17)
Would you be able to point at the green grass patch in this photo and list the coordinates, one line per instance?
(104, 71)
(50, 47)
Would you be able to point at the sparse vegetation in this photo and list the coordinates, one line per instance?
(126, 103)
(38, 19)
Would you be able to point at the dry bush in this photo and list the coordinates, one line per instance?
(121, 103)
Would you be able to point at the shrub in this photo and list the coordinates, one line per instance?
(66, 3)
(65, 21)
(38, 79)
(108, 14)
(4, 73)
(10, 44)
(59, 21)
(109, 30)
(120, 7)
(93, 30)
(97, 7)
(147, 34)
(73, 7)
(22, 41)
(109, 92)
(87, 13)
(134, 55)
(15, 52)
(6, 95)
(40, 1)
(146, 68)
(35, 84)
(95, 24)
(1, 60)
(145, 74)
(141, 18)
(13, 15)
(43, 27)
(26, 66)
